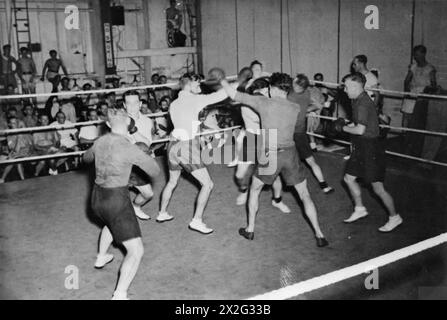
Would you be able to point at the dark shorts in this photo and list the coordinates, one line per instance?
(302, 145)
(114, 208)
(251, 145)
(368, 160)
(185, 155)
(287, 164)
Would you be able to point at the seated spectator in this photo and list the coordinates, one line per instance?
(102, 110)
(110, 98)
(144, 109)
(66, 106)
(165, 102)
(152, 101)
(91, 99)
(162, 91)
(19, 146)
(29, 119)
(12, 113)
(83, 116)
(68, 137)
(155, 78)
(88, 134)
(65, 84)
(46, 142)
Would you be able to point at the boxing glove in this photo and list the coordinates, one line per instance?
(339, 124)
(131, 128)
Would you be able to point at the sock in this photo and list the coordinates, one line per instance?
(277, 200)
(323, 185)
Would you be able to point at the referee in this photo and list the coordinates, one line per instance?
(368, 156)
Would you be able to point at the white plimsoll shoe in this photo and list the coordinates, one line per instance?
(163, 217)
(347, 157)
(199, 226)
(281, 206)
(233, 163)
(393, 223)
(52, 172)
(102, 260)
(242, 198)
(140, 214)
(357, 214)
(120, 296)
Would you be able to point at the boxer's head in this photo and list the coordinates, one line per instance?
(260, 86)
(359, 63)
(419, 53)
(53, 54)
(354, 85)
(190, 82)
(280, 85)
(244, 75)
(300, 83)
(118, 120)
(256, 69)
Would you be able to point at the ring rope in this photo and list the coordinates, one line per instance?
(67, 126)
(72, 93)
(435, 133)
(80, 153)
(400, 155)
(393, 92)
(350, 272)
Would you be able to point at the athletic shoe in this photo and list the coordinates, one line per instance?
(102, 260)
(199, 226)
(322, 242)
(347, 157)
(357, 214)
(233, 163)
(328, 190)
(52, 172)
(392, 223)
(140, 214)
(163, 217)
(247, 235)
(281, 206)
(120, 296)
(313, 146)
(242, 198)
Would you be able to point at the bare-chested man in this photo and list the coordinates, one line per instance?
(52, 65)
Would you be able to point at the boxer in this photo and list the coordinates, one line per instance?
(184, 148)
(367, 159)
(114, 156)
(277, 114)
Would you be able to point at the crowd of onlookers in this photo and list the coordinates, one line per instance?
(60, 110)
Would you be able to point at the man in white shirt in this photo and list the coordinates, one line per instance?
(184, 148)
(88, 134)
(141, 132)
(68, 138)
(359, 65)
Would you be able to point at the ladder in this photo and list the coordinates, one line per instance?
(22, 25)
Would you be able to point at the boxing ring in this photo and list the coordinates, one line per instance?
(46, 227)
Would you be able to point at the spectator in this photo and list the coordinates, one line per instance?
(7, 72)
(162, 91)
(65, 106)
(68, 137)
(19, 146)
(90, 99)
(421, 78)
(165, 102)
(152, 100)
(29, 119)
(102, 110)
(257, 71)
(88, 134)
(359, 65)
(145, 107)
(46, 142)
(53, 65)
(110, 99)
(27, 73)
(155, 78)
